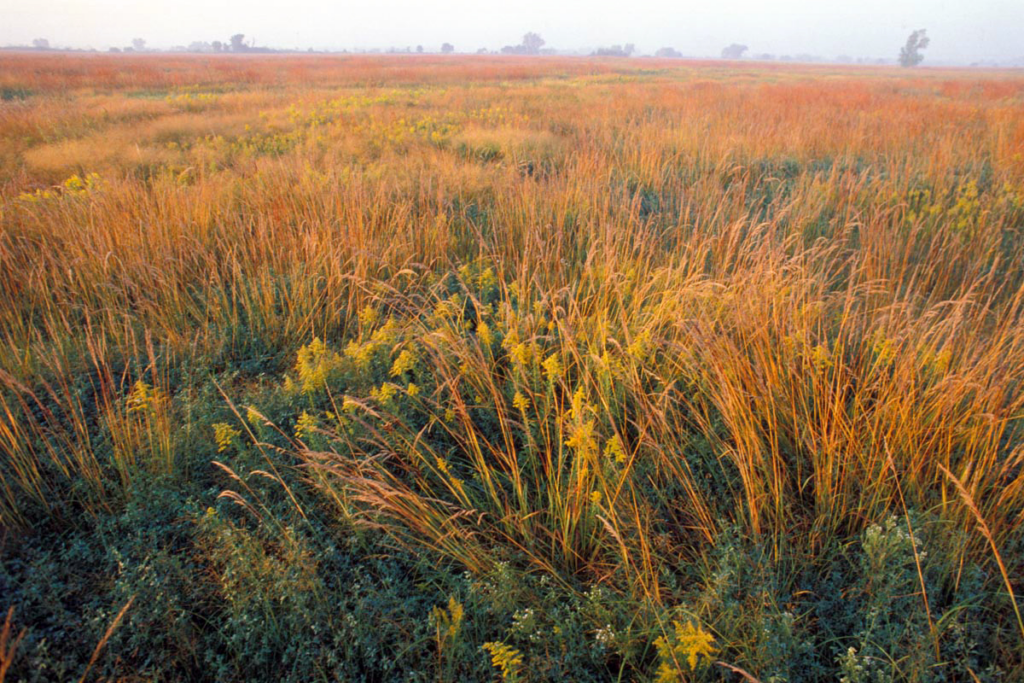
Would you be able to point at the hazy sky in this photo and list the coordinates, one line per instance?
(961, 30)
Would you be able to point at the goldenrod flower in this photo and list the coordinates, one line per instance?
(483, 332)
(552, 367)
(506, 659)
(305, 426)
(224, 435)
(690, 644)
(404, 363)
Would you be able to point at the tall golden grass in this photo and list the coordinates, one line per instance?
(815, 270)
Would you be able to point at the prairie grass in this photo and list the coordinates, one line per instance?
(689, 335)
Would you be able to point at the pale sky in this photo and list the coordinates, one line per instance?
(962, 31)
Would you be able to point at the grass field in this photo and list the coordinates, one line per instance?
(530, 369)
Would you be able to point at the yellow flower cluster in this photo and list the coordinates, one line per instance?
(821, 357)
(361, 354)
(224, 435)
(582, 438)
(75, 186)
(404, 363)
(520, 402)
(519, 352)
(506, 659)
(386, 393)
(143, 398)
(641, 347)
(253, 417)
(483, 333)
(552, 367)
(447, 622)
(689, 644)
(305, 426)
(314, 365)
(368, 317)
(613, 450)
(448, 308)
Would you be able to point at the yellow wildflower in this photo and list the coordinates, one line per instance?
(640, 348)
(520, 402)
(387, 334)
(506, 659)
(552, 367)
(368, 317)
(613, 449)
(386, 392)
(821, 357)
(404, 363)
(224, 435)
(483, 333)
(447, 622)
(314, 364)
(143, 398)
(487, 279)
(521, 354)
(253, 417)
(582, 439)
(305, 426)
(690, 644)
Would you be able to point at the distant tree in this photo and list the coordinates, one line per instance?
(41, 44)
(238, 43)
(615, 51)
(138, 44)
(668, 53)
(482, 51)
(217, 46)
(734, 51)
(419, 49)
(532, 43)
(115, 50)
(910, 54)
(447, 49)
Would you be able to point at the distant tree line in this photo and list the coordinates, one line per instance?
(532, 44)
(615, 51)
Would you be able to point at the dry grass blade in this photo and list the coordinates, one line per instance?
(983, 527)
(106, 636)
(8, 646)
